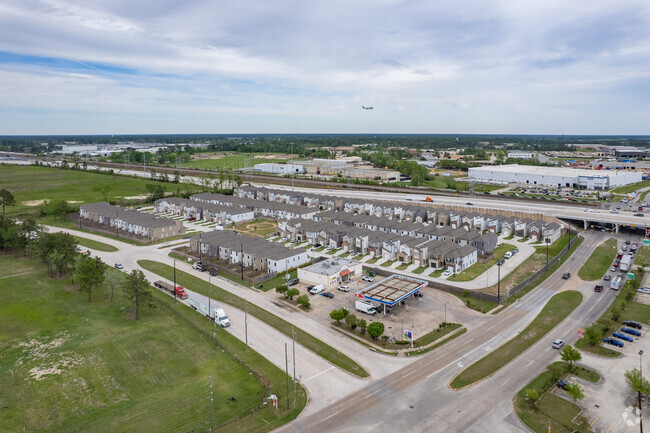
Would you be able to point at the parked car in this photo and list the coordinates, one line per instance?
(446, 273)
(566, 275)
(639, 214)
(632, 324)
(345, 288)
(607, 277)
(623, 336)
(79, 250)
(293, 281)
(214, 271)
(631, 331)
(507, 255)
(613, 342)
(368, 279)
(469, 203)
(612, 268)
(634, 247)
(191, 219)
(598, 288)
(119, 266)
(563, 384)
(645, 290)
(515, 251)
(327, 294)
(199, 266)
(310, 287)
(558, 344)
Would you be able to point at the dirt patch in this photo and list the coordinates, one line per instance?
(40, 202)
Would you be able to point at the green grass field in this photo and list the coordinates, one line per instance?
(557, 308)
(30, 184)
(599, 261)
(73, 366)
(626, 189)
(191, 282)
(235, 161)
(95, 245)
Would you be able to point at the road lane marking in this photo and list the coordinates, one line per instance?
(547, 348)
(528, 365)
(441, 356)
(371, 394)
(458, 359)
(336, 413)
(408, 374)
(592, 423)
(490, 327)
(468, 341)
(318, 374)
(504, 383)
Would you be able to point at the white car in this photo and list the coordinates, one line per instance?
(119, 266)
(345, 288)
(368, 279)
(645, 290)
(507, 255)
(558, 344)
(614, 211)
(447, 273)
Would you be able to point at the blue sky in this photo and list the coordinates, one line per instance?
(202, 66)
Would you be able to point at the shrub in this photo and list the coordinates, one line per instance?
(351, 321)
(303, 300)
(292, 292)
(282, 289)
(361, 324)
(375, 329)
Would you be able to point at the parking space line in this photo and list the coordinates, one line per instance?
(592, 423)
(610, 427)
(318, 374)
(325, 419)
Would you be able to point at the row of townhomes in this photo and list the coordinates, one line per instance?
(216, 213)
(536, 230)
(252, 251)
(132, 222)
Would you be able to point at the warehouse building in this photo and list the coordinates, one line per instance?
(553, 176)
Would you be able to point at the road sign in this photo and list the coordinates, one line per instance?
(646, 242)
(631, 276)
(408, 335)
(581, 333)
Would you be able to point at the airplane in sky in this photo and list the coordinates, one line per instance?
(367, 108)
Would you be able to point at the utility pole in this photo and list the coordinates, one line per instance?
(246, 323)
(209, 308)
(499, 284)
(175, 280)
(547, 241)
(144, 162)
(117, 233)
(293, 331)
(211, 413)
(286, 371)
(241, 253)
(639, 393)
(200, 248)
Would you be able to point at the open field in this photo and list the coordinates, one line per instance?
(191, 282)
(89, 367)
(557, 308)
(257, 227)
(235, 161)
(30, 185)
(599, 261)
(626, 189)
(95, 245)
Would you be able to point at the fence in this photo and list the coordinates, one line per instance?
(384, 272)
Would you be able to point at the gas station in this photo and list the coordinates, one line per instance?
(392, 291)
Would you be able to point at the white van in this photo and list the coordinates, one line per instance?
(316, 289)
(365, 307)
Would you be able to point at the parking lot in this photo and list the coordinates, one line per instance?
(607, 404)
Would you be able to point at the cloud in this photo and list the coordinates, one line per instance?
(288, 66)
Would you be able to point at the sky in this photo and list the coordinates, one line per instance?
(238, 66)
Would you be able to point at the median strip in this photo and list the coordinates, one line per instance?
(557, 308)
(315, 345)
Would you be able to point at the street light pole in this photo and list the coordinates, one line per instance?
(499, 283)
(446, 311)
(547, 240)
(639, 393)
(174, 280)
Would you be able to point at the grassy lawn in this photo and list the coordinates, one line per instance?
(403, 266)
(332, 252)
(420, 270)
(95, 245)
(319, 249)
(626, 189)
(642, 256)
(111, 373)
(436, 334)
(345, 254)
(30, 183)
(325, 351)
(373, 260)
(438, 344)
(478, 268)
(388, 263)
(233, 161)
(557, 308)
(599, 261)
(437, 273)
(476, 304)
(257, 227)
(277, 281)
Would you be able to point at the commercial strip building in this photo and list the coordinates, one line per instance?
(133, 222)
(557, 177)
(251, 251)
(331, 272)
(279, 168)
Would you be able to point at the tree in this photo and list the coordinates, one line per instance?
(338, 315)
(282, 289)
(103, 190)
(291, 293)
(570, 355)
(156, 192)
(7, 199)
(351, 321)
(137, 289)
(114, 279)
(531, 395)
(557, 370)
(616, 314)
(362, 324)
(593, 335)
(574, 390)
(376, 329)
(637, 383)
(90, 274)
(303, 300)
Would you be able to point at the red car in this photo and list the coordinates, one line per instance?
(191, 219)
(598, 288)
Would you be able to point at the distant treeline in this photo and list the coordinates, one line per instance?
(301, 143)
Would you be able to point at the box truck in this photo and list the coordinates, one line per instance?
(626, 261)
(365, 307)
(180, 290)
(209, 309)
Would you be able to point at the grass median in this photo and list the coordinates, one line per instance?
(557, 308)
(599, 261)
(95, 245)
(315, 345)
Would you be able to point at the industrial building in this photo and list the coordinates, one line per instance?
(269, 167)
(553, 176)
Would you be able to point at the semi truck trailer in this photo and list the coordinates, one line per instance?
(209, 309)
(180, 290)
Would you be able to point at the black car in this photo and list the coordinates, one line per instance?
(566, 276)
(327, 294)
(632, 324)
(563, 384)
(310, 287)
(469, 204)
(639, 214)
(214, 272)
(293, 281)
(607, 277)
